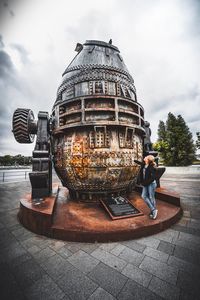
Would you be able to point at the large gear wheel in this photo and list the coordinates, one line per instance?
(22, 119)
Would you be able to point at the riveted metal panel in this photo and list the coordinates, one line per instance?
(98, 128)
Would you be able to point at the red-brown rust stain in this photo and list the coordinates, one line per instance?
(165, 191)
(46, 206)
(78, 161)
(90, 220)
(92, 217)
(75, 164)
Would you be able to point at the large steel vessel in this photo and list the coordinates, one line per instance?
(97, 125)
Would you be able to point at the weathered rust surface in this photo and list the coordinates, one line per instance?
(98, 125)
(89, 222)
(37, 218)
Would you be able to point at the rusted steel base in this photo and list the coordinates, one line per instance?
(88, 222)
(37, 218)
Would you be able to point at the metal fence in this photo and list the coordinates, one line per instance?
(13, 175)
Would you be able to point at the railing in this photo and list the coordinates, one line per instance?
(14, 175)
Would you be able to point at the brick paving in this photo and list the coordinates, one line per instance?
(163, 266)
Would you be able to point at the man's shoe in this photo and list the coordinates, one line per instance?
(155, 212)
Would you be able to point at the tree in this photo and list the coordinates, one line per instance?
(161, 131)
(8, 160)
(162, 145)
(175, 142)
(198, 140)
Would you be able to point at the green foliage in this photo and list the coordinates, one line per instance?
(161, 131)
(8, 160)
(198, 140)
(161, 146)
(175, 143)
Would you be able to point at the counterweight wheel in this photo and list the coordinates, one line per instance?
(22, 119)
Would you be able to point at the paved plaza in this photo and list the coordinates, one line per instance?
(161, 266)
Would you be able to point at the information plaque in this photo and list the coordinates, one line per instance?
(120, 207)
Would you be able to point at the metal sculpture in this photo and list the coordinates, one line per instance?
(95, 131)
(24, 129)
(147, 138)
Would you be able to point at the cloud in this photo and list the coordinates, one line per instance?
(7, 80)
(6, 65)
(22, 52)
(11, 91)
(1, 42)
(159, 42)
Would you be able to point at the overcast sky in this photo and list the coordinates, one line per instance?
(158, 39)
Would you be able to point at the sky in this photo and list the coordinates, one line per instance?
(159, 41)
